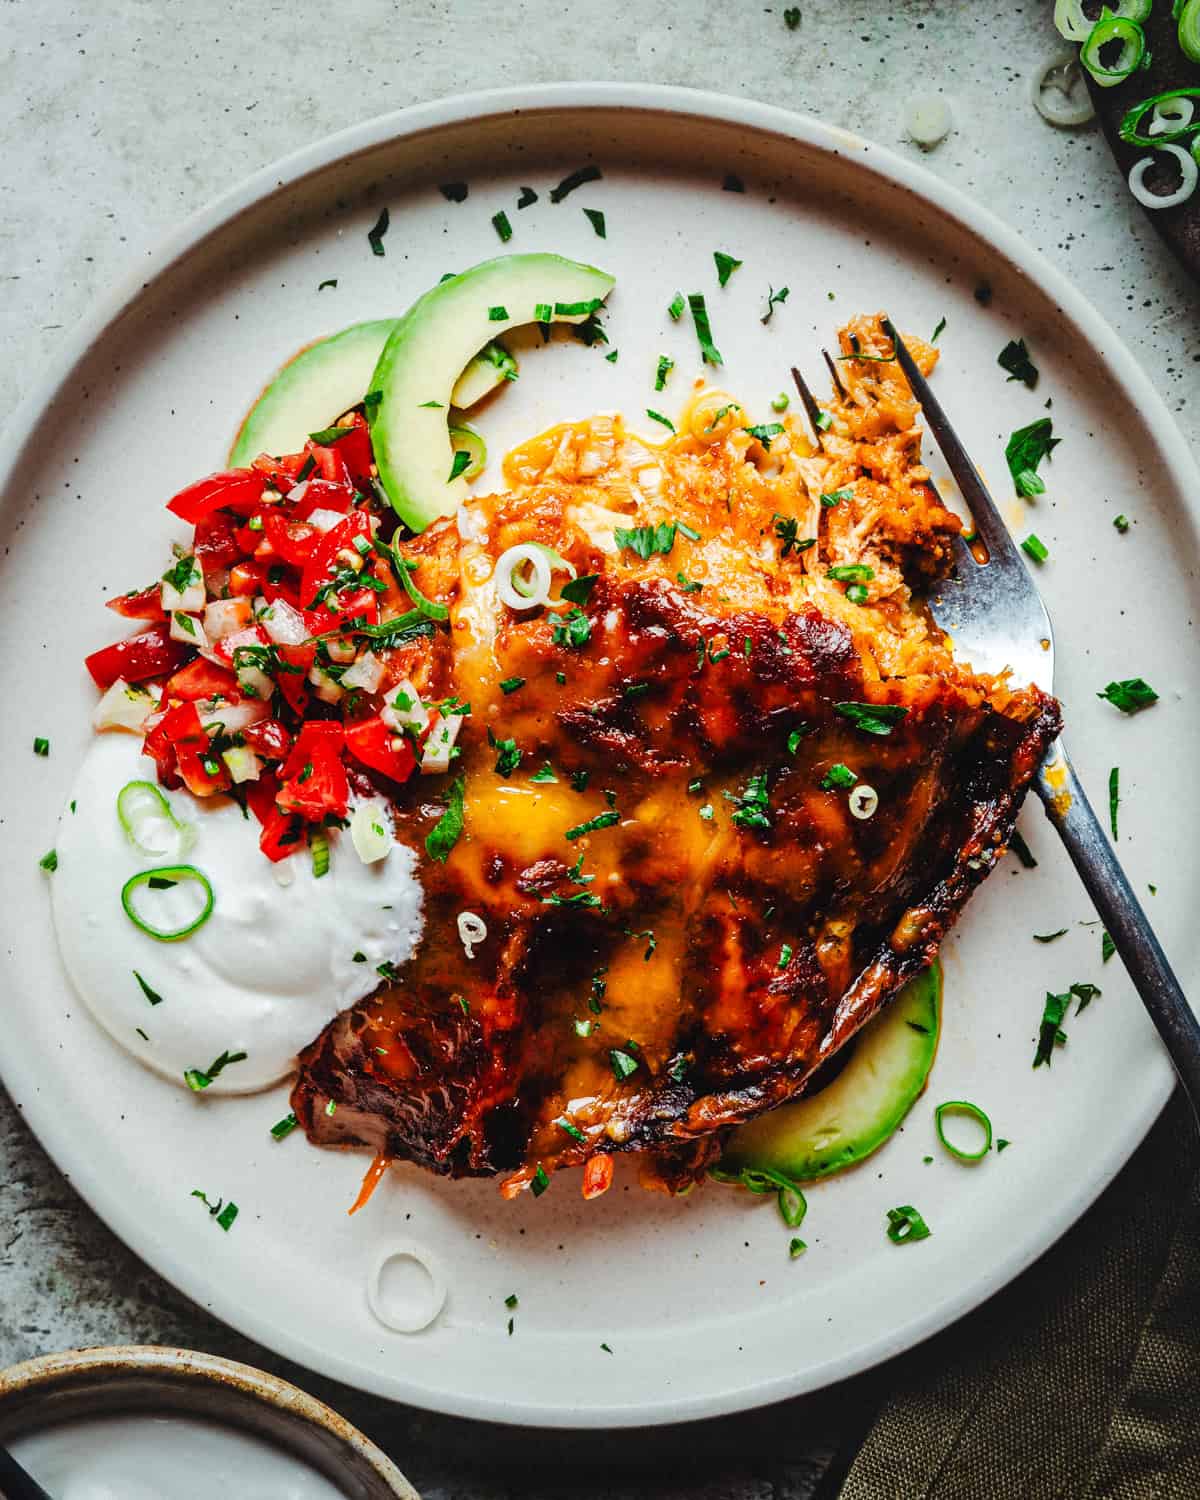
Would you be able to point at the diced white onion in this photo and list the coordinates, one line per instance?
(471, 930)
(1059, 93)
(295, 494)
(366, 673)
(325, 520)
(190, 600)
(1189, 173)
(863, 800)
(284, 624)
(189, 629)
(371, 831)
(341, 649)
(242, 763)
(124, 707)
(327, 688)
(927, 120)
(224, 617)
(255, 683)
(232, 718)
(396, 715)
(438, 747)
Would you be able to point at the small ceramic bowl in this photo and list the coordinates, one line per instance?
(132, 1379)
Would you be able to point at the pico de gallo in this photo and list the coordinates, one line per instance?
(272, 667)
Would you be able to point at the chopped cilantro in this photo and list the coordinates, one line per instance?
(446, 832)
(785, 955)
(1130, 695)
(1014, 358)
(657, 416)
(1107, 947)
(539, 1182)
(1049, 937)
(595, 218)
(1121, 523)
(791, 17)
(49, 861)
(152, 995)
(508, 755)
(764, 432)
(1114, 799)
(42, 746)
(938, 330)
(709, 352)
(601, 820)
(1085, 994)
(905, 1224)
(573, 631)
(375, 236)
(647, 540)
(787, 529)
(675, 310)
(579, 590)
(545, 776)
(622, 1064)
(752, 803)
(835, 497)
(838, 777)
(460, 462)
(1050, 1033)
(500, 223)
(665, 365)
(774, 299)
(511, 684)
(1025, 450)
(796, 1248)
(872, 718)
(726, 266)
(574, 180)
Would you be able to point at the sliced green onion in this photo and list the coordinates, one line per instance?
(1189, 30)
(1132, 56)
(1128, 129)
(49, 861)
(906, 1224)
(149, 821)
(319, 844)
(1114, 798)
(1034, 547)
(283, 1128)
(177, 875)
(41, 746)
(972, 1112)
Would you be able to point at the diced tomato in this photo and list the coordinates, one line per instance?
(292, 541)
(323, 561)
(203, 679)
(268, 738)
(279, 586)
(260, 796)
(228, 646)
(355, 449)
(373, 743)
(279, 473)
(139, 604)
(294, 685)
(158, 747)
(245, 579)
(320, 494)
(182, 730)
(236, 489)
(330, 463)
(282, 833)
(313, 777)
(151, 654)
(216, 545)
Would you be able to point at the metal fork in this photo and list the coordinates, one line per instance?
(997, 618)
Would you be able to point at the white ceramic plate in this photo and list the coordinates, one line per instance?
(697, 1299)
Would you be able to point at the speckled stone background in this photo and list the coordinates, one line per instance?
(117, 119)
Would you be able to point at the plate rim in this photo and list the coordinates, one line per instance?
(885, 165)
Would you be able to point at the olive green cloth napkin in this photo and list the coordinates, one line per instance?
(1082, 1379)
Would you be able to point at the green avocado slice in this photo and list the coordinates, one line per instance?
(410, 391)
(822, 1133)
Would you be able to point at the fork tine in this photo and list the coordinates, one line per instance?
(988, 521)
(809, 401)
(834, 374)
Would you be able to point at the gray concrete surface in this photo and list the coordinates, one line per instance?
(118, 118)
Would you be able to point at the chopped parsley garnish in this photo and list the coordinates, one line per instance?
(528, 196)
(502, 226)
(375, 236)
(872, 718)
(938, 330)
(321, 285)
(765, 432)
(41, 746)
(657, 416)
(774, 299)
(152, 995)
(1034, 547)
(1051, 1034)
(752, 810)
(709, 352)
(646, 540)
(283, 1128)
(787, 529)
(1014, 358)
(595, 218)
(1049, 937)
(573, 180)
(511, 684)
(539, 1182)
(198, 1079)
(571, 1129)
(1107, 947)
(905, 1224)
(726, 266)
(1025, 450)
(579, 590)
(622, 1064)
(665, 365)
(1121, 523)
(838, 777)
(49, 861)
(460, 462)
(573, 631)
(454, 192)
(1114, 799)
(835, 498)
(446, 832)
(1130, 695)
(508, 755)
(601, 820)
(675, 309)
(497, 314)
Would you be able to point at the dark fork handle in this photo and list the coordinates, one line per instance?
(15, 1482)
(1126, 923)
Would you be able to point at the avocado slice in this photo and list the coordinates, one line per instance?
(330, 376)
(844, 1122)
(411, 388)
(312, 390)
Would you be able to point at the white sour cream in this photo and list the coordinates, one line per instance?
(272, 965)
(164, 1458)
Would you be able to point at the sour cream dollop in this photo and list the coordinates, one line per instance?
(282, 953)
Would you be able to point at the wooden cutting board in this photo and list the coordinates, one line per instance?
(1169, 69)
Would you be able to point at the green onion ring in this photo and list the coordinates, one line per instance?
(178, 874)
(1128, 129)
(973, 1111)
(142, 802)
(1133, 50)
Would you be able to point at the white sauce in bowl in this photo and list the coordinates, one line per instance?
(273, 964)
(164, 1458)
